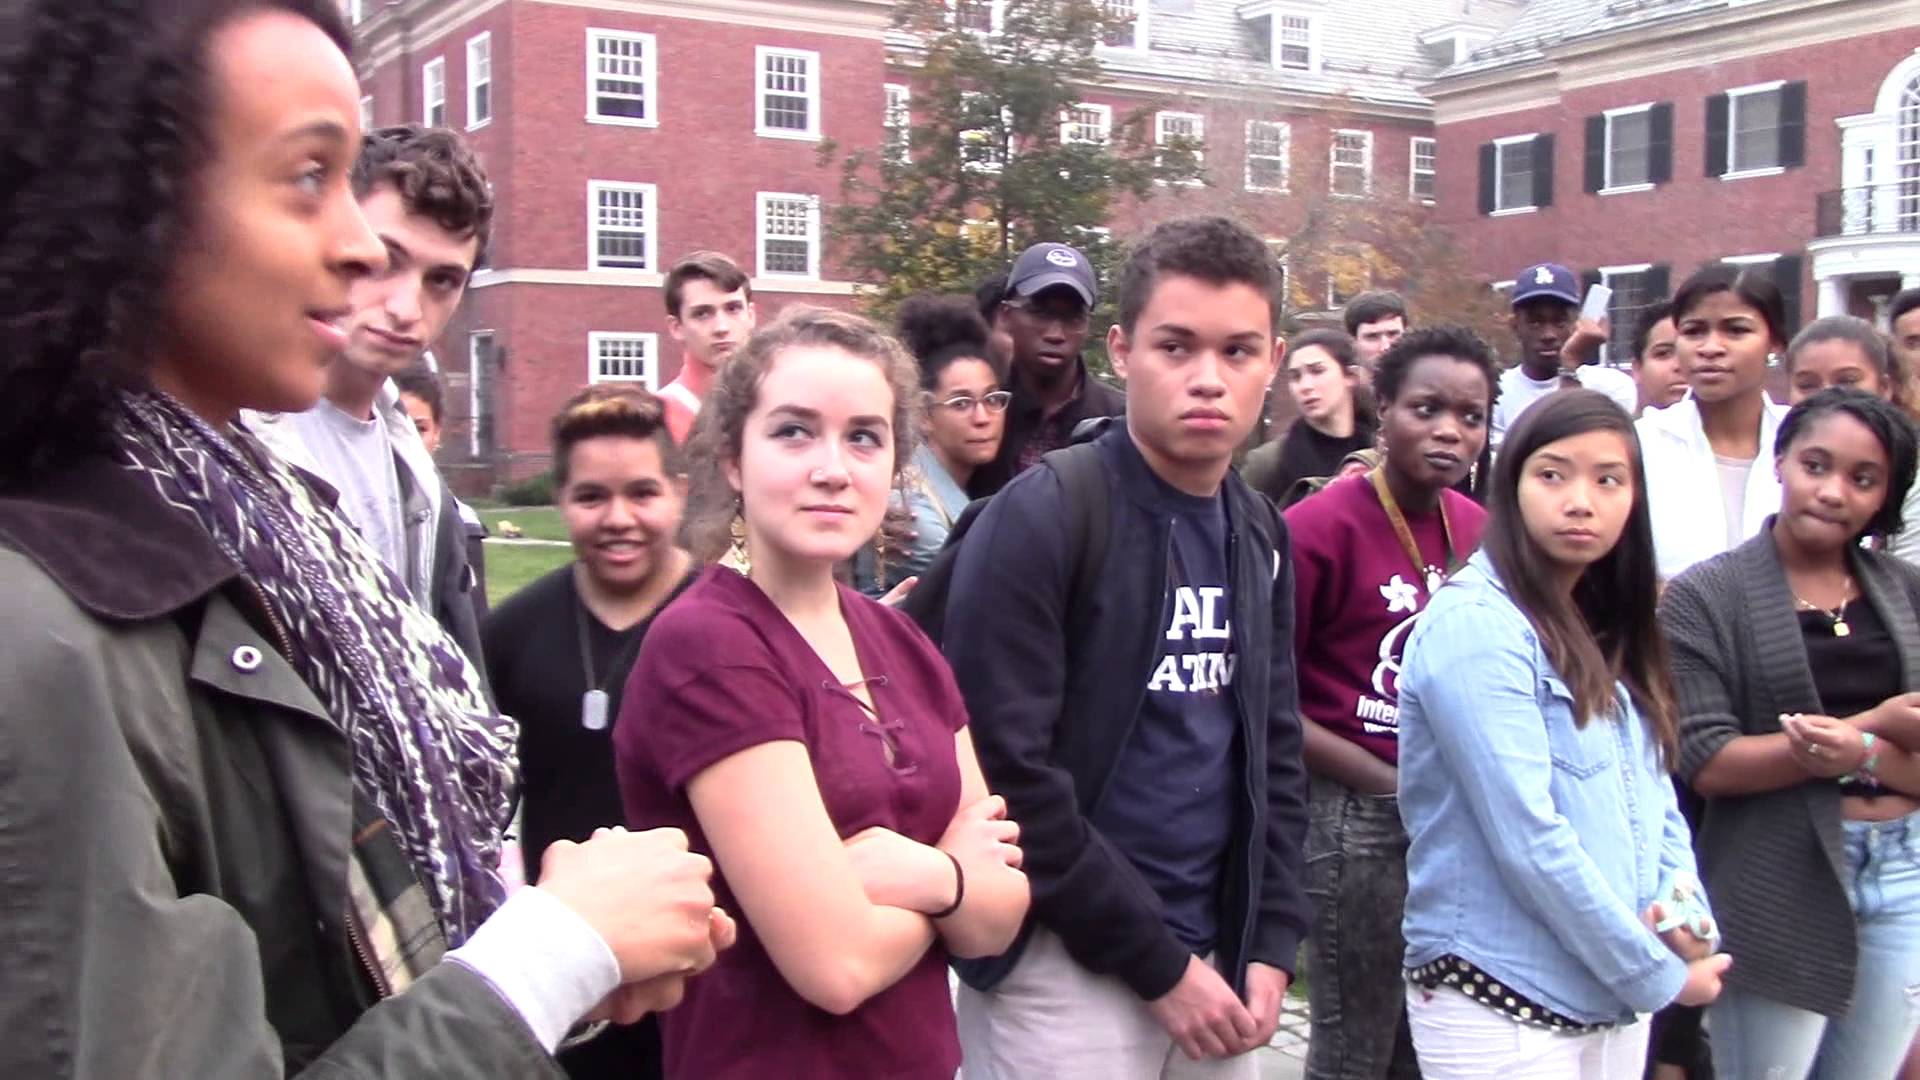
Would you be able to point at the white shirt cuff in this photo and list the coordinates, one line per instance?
(546, 961)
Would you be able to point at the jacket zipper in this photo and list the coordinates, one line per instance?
(1246, 780)
(284, 642)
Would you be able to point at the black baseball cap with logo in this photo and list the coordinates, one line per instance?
(1044, 266)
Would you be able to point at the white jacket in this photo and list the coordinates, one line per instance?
(1683, 484)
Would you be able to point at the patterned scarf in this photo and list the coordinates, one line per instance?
(428, 749)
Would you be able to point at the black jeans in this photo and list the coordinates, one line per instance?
(1357, 876)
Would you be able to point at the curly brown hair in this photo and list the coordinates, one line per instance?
(437, 175)
(718, 433)
(109, 106)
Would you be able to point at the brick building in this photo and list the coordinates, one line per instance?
(1635, 141)
(620, 134)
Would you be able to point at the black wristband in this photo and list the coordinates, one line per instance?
(959, 888)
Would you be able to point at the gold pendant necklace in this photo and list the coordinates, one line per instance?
(1837, 615)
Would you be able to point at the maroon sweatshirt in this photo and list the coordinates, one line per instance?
(1357, 594)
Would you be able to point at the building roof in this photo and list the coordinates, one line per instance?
(1370, 52)
(1546, 23)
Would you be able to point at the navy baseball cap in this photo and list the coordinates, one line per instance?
(1043, 266)
(1546, 280)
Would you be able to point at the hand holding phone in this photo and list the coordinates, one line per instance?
(1595, 309)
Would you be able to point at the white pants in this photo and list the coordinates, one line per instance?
(1051, 1019)
(1458, 1038)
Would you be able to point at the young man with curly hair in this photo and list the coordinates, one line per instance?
(1138, 712)
(425, 195)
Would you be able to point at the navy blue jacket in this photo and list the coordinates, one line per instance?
(1050, 717)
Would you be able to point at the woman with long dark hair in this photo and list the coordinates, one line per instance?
(1536, 721)
(1797, 658)
(248, 789)
(1707, 456)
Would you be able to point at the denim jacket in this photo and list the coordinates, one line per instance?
(1535, 844)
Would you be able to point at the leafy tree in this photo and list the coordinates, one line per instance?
(984, 170)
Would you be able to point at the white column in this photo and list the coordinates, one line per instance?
(1832, 301)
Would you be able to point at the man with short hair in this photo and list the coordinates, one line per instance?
(424, 400)
(1144, 728)
(710, 313)
(1375, 320)
(425, 194)
(1045, 312)
(1546, 304)
(1903, 325)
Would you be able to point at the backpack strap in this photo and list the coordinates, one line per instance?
(1083, 482)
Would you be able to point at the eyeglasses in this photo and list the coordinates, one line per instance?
(964, 404)
(1070, 315)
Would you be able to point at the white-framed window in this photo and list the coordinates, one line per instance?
(479, 80)
(623, 225)
(786, 93)
(479, 401)
(354, 12)
(1296, 41)
(1350, 168)
(1087, 123)
(979, 16)
(789, 235)
(898, 123)
(366, 113)
(1632, 294)
(1753, 127)
(1422, 171)
(622, 76)
(1502, 289)
(1269, 146)
(433, 92)
(1629, 148)
(1513, 173)
(621, 357)
(982, 148)
(1130, 29)
(1766, 259)
(1184, 126)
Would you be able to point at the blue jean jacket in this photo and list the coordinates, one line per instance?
(1535, 844)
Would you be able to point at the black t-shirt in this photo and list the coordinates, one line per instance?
(1852, 673)
(532, 646)
(1169, 806)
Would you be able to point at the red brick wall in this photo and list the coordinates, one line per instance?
(540, 152)
(1690, 220)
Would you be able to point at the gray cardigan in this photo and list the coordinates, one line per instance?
(1773, 863)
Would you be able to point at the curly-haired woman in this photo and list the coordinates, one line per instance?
(248, 795)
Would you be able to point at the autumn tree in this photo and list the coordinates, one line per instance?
(989, 162)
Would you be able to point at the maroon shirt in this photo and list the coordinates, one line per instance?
(1356, 595)
(722, 670)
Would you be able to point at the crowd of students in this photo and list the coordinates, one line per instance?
(889, 657)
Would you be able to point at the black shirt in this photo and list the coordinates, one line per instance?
(1302, 453)
(1853, 673)
(532, 645)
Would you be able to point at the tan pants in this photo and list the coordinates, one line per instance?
(1051, 1019)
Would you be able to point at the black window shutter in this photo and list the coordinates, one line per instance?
(1596, 153)
(1717, 135)
(1659, 281)
(1786, 275)
(1588, 279)
(1660, 143)
(1793, 125)
(1543, 170)
(1489, 175)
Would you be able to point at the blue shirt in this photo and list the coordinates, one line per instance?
(1169, 806)
(930, 493)
(1536, 844)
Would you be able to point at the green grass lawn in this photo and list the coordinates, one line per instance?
(536, 522)
(511, 566)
